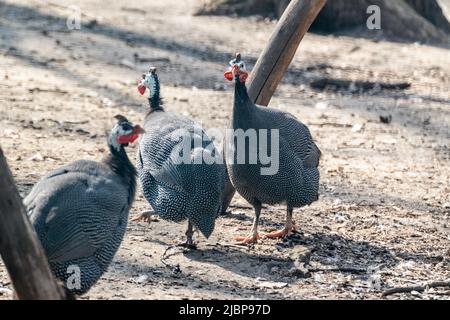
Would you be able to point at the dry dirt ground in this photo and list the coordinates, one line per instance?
(383, 216)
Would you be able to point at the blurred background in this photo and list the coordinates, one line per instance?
(407, 20)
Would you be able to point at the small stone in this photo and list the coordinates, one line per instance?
(299, 270)
(272, 285)
(140, 279)
(386, 119)
(107, 102)
(300, 254)
(37, 157)
(5, 291)
(357, 127)
(321, 105)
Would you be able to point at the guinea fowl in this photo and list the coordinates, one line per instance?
(296, 182)
(178, 190)
(80, 211)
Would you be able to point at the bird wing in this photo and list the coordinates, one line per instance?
(299, 138)
(167, 153)
(73, 213)
(312, 156)
(158, 161)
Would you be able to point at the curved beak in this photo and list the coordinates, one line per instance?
(137, 129)
(243, 75)
(230, 74)
(235, 68)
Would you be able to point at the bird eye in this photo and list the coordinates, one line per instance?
(127, 127)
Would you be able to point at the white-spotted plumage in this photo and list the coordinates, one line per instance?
(296, 183)
(80, 213)
(177, 191)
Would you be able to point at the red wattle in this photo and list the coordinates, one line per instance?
(228, 75)
(141, 88)
(130, 138)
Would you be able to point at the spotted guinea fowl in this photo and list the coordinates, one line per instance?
(296, 182)
(177, 179)
(80, 211)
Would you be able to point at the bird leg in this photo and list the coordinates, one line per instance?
(145, 216)
(189, 242)
(287, 230)
(254, 236)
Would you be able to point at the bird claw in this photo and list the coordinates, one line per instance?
(279, 233)
(146, 216)
(247, 240)
(286, 231)
(187, 245)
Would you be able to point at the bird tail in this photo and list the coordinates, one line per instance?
(205, 222)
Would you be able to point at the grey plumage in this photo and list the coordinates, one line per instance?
(178, 191)
(80, 213)
(297, 181)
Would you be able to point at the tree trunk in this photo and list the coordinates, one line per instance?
(432, 11)
(411, 20)
(20, 248)
(274, 61)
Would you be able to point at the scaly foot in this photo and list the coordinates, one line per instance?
(248, 240)
(286, 231)
(279, 233)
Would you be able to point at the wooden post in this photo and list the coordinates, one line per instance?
(278, 54)
(20, 248)
(273, 62)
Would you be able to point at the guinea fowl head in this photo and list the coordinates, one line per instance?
(150, 81)
(123, 133)
(237, 70)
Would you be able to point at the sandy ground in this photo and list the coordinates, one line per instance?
(383, 216)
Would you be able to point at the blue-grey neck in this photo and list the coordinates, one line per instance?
(243, 106)
(154, 99)
(121, 165)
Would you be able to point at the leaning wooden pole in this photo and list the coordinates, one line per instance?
(20, 248)
(273, 62)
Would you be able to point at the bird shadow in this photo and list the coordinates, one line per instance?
(329, 253)
(168, 276)
(245, 262)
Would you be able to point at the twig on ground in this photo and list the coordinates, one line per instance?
(229, 245)
(339, 269)
(240, 207)
(175, 268)
(164, 256)
(331, 124)
(434, 284)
